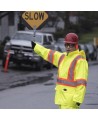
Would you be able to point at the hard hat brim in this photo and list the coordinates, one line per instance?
(71, 42)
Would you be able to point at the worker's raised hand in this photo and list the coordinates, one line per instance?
(33, 44)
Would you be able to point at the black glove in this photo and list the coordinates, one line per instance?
(33, 44)
(77, 103)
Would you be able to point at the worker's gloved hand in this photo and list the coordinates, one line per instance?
(33, 44)
(78, 104)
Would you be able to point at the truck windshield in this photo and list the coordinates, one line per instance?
(28, 37)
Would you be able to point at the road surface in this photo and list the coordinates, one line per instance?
(41, 94)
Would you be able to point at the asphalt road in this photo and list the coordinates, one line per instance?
(25, 88)
(23, 76)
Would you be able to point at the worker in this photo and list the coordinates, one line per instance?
(72, 72)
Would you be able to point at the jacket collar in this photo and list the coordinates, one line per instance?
(73, 53)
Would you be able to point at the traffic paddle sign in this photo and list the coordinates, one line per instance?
(34, 19)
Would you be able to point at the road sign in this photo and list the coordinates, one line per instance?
(34, 19)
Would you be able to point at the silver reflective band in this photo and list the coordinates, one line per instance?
(50, 56)
(61, 58)
(71, 69)
(72, 83)
(83, 82)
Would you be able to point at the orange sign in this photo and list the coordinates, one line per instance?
(35, 18)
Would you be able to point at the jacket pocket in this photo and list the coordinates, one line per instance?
(61, 96)
(67, 97)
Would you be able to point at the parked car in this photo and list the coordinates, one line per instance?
(57, 48)
(83, 47)
(60, 45)
(21, 51)
(92, 50)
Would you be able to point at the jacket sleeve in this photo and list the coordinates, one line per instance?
(48, 54)
(81, 74)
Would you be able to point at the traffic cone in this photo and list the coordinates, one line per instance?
(7, 62)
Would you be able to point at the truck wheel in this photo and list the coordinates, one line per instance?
(49, 66)
(3, 62)
(18, 64)
(39, 66)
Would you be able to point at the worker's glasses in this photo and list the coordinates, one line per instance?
(69, 45)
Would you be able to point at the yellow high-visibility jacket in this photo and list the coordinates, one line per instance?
(72, 74)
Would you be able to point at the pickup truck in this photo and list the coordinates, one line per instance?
(21, 51)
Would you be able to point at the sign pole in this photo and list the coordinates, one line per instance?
(34, 30)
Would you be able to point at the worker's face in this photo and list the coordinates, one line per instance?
(70, 47)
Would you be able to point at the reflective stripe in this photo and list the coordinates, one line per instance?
(83, 82)
(70, 79)
(50, 56)
(65, 82)
(72, 83)
(72, 67)
(61, 58)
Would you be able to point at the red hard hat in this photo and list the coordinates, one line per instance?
(71, 38)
